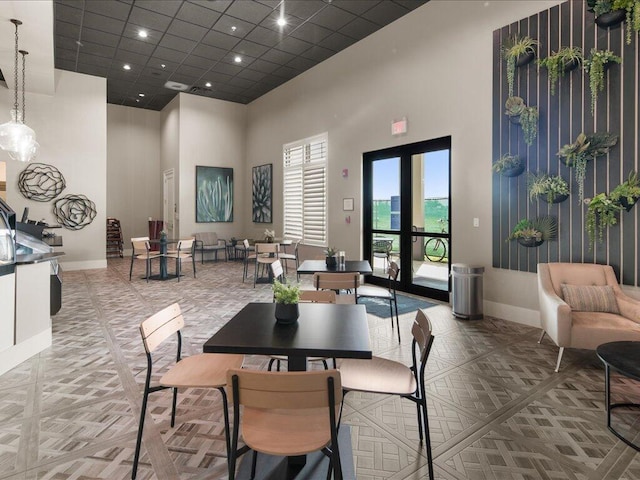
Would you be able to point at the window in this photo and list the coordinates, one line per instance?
(305, 190)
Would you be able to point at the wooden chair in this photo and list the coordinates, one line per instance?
(185, 250)
(209, 242)
(389, 293)
(207, 370)
(285, 413)
(140, 250)
(380, 375)
(266, 254)
(348, 281)
(286, 257)
(306, 296)
(249, 255)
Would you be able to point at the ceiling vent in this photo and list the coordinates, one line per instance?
(200, 90)
(180, 87)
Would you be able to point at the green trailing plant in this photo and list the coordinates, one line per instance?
(632, 16)
(286, 293)
(598, 7)
(545, 185)
(602, 212)
(527, 117)
(513, 48)
(541, 228)
(506, 162)
(586, 147)
(594, 66)
(629, 190)
(557, 62)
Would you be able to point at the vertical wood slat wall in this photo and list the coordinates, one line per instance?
(562, 118)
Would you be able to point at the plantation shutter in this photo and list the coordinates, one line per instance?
(305, 190)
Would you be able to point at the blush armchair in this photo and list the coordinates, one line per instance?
(583, 306)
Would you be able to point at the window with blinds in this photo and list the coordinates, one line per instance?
(305, 190)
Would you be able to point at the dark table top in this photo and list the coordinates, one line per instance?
(322, 330)
(623, 357)
(313, 266)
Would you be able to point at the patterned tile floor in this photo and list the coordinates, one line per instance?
(496, 408)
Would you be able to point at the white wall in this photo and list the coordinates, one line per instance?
(433, 66)
(71, 127)
(212, 133)
(170, 148)
(134, 177)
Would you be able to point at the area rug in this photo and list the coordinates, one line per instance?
(380, 308)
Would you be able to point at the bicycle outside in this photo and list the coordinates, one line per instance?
(435, 249)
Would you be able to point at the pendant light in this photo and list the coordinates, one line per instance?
(27, 146)
(15, 136)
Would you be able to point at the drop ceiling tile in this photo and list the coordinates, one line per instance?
(301, 64)
(264, 36)
(251, 74)
(264, 67)
(136, 46)
(191, 71)
(337, 41)
(65, 64)
(249, 48)
(277, 56)
(149, 19)
(157, 62)
(270, 3)
(242, 83)
(187, 30)
(411, 4)
(96, 36)
(166, 7)
(286, 72)
(124, 56)
(118, 74)
(88, 59)
(65, 42)
(197, 15)
(357, 7)
(271, 22)
(250, 11)
(220, 40)
(169, 54)
(217, 77)
(303, 8)
(108, 8)
(199, 62)
(102, 23)
(293, 45)
(359, 28)
(180, 78)
(226, 68)
(66, 13)
(218, 6)
(177, 43)
(151, 81)
(332, 18)
(384, 13)
(66, 54)
(311, 33)
(95, 70)
(69, 30)
(230, 88)
(225, 24)
(273, 81)
(318, 54)
(97, 49)
(208, 52)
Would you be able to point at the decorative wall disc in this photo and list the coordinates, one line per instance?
(74, 211)
(41, 182)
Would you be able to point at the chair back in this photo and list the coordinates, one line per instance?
(277, 271)
(336, 281)
(140, 245)
(317, 296)
(421, 331)
(284, 390)
(267, 248)
(160, 326)
(382, 246)
(246, 245)
(577, 274)
(393, 271)
(186, 245)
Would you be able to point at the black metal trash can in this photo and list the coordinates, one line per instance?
(466, 290)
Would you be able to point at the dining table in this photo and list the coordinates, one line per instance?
(350, 266)
(322, 330)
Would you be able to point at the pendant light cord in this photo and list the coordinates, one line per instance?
(24, 110)
(15, 70)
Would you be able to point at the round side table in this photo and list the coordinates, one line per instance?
(624, 358)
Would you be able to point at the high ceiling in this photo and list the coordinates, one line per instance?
(235, 46)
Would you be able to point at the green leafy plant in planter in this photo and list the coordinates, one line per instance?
(558, 63)
(552, 188)
(628, 192)
(632, 16)
(286, 296)
(531, 233)
(602, 212)
(515, 50)
(527, 117)
(586, 147)
(594, 66)
(611, 12)
(508, 165)
(330, 253)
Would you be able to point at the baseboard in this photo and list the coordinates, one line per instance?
(83, 265)
(512, 313)
(15, 355)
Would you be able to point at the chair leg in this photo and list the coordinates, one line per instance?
(427, 439)
(131, 268)
(395, 302)
(173, 407)
(178, 266)
(227, 430)
(254, 462)
(143, 412)
(270, 366)
(559, 359)
(193, 261)
(541, 336)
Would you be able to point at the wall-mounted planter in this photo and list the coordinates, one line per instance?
(525, 59)
(530, 242)
(513, 172)
(556, 199)
(610, 19)
(626, 205)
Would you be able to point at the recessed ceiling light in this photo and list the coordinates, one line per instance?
(237, 59)
(234, 28)
(162, 65)
(208, 84)
(126, 66)
(143, 33)
(281, 22)
(141, 94)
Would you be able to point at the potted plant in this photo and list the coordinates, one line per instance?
(585, 148)
(526, 117)
(508, 165)
(560, 62)
(234, 241)
(628, 192)
(594, 66)
(517, 51)
(532, 233)
(609, 13)
(602, 212)
(269, 235)
(286, 296)
(632, 15)
(330, 253)
(550, 188)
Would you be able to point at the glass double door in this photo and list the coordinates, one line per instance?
(407, 215)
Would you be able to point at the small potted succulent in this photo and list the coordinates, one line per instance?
(602, 212)
(628, 192)
(331, 260)
(561, 62)
(526, 117)
(532, 233)
(550, 188)
(517, 51)
(286, 296)
(508, 165)
(595, 68)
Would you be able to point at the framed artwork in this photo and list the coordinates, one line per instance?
(214, 194)
(347, 204)
(262, 193)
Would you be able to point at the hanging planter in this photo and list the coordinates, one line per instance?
(559, 63)
(532, 233)
(527, 117)
(550, 189)
(508, 165)
(530, 242)
(627, 193)
(595, 66)
(610, 19)
(517, 51)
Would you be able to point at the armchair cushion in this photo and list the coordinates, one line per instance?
(590, 298)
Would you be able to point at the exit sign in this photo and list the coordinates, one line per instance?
(399, 127)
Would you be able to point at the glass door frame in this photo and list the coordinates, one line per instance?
(406, 233)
